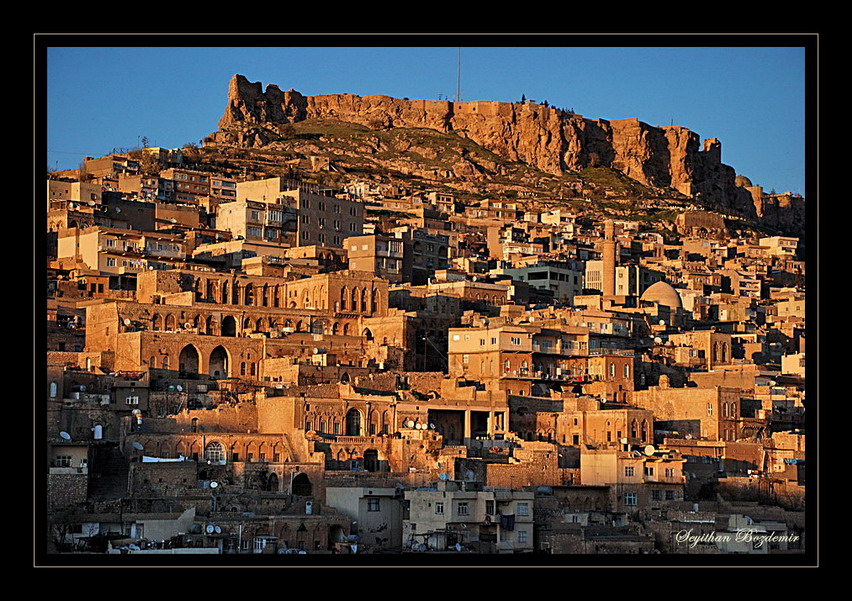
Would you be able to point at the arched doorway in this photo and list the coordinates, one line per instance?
(371, 460)
(229, 326)
(353, 423)
(272, 482)
(219, 367)
(188, 361)
(301, 486)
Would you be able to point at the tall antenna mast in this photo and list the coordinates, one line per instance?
(458, 79)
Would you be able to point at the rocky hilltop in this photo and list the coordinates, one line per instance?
(550, 139)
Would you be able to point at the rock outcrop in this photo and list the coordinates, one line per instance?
(549, 139)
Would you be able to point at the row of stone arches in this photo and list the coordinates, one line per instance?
(352, 424)
(226, 292)
(229, 325)
(357, 300)
(189, 362)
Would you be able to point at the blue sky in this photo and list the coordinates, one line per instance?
(751, 98)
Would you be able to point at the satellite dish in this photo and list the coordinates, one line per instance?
(218, 529)
(127, 321)
(91, 203)
(179, 388)
(138, 446)
(662, 322)
(187, 326)
(65, 435)
(136, 412)
(431, 426)
(210, 529)
(214, 484)
(649, 450)
(409, 423)
(117, 210)
(173, 220)
(658, 340)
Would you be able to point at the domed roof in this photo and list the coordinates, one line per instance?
(663, 294)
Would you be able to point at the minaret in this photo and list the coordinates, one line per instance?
(609, 259)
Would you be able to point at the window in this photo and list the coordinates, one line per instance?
(523, 508)
(463, 509)
(110, 262)
(439, 509)
(63, 461)
(669, 472)
(628, 471)
(516, 340)
(489, 508)
(214, 452)
(670, 495)
(656, 495)
(132, 400)
(372, 504)
(630, 498)
(522, 536)
(649, 471)
(710, 409)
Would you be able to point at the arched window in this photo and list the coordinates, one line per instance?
(214, 452)
(53, 390)
(353, 423)
(225, 293)
(157, 322)
(343, 299)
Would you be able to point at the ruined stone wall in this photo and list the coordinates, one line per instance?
(66, 490)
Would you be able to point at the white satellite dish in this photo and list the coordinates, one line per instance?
(91, 203)
(431, 426)
(179, 388)
(127, 321)
(662, 322)
(210, 529)
(218, 529)
(649, 450)
(65, 435)
(187, 326)
(214, 484)
(138, 446)
(409, 423)
(117, 210)
(136, 412)
(658, 340)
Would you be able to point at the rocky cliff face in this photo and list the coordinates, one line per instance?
(550, 139)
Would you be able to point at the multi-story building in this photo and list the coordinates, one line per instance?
(258, 221)
(649, 478)
(459, 513)
(116, 251)
(324, 219)
(189, 186)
